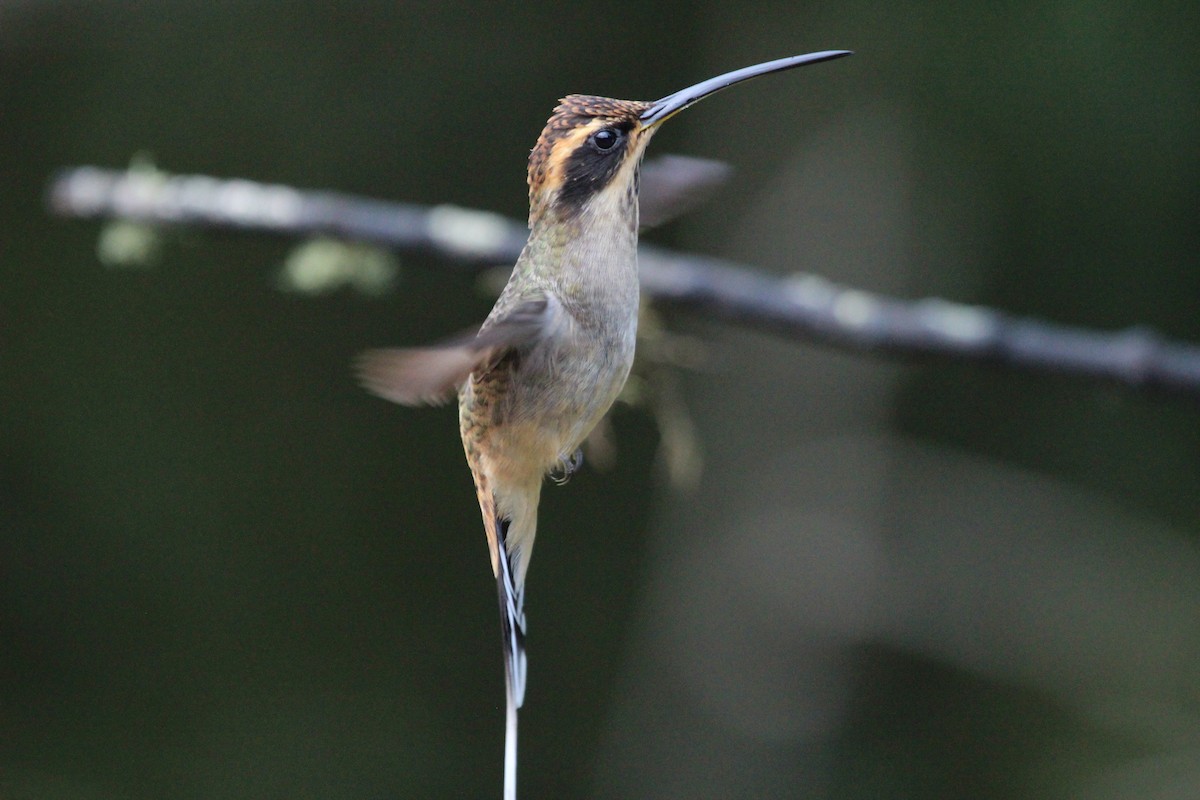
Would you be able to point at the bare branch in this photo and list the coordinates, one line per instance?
(801, 306)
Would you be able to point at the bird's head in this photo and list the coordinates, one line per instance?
(591, 146)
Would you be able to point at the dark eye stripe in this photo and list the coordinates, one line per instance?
(592, 165)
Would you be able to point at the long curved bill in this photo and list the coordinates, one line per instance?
(672, 104)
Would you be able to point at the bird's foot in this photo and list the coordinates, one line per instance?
(566, 467)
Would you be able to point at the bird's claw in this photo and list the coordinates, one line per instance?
(567, 466)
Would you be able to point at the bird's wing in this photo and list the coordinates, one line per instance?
(673, 185)
(430, 375)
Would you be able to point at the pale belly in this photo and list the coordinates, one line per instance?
(546, 407)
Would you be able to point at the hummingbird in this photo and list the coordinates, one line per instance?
(554, 353)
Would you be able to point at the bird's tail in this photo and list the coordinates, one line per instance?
(510, 749)
(510, 521)
(512, 614)
(512, 628)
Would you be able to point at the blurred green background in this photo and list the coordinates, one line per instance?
(227, 572)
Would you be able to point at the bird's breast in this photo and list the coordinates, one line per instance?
(536, 406)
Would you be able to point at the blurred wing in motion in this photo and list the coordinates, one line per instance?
(673, 185)
(431, 375)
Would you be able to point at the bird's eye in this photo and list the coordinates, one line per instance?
(606, 139)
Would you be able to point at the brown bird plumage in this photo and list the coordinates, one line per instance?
(554, 353)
